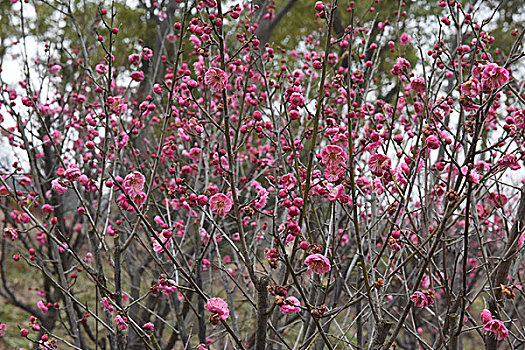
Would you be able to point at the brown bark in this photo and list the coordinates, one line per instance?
(266, 26)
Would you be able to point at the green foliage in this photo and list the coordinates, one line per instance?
(295, 25)
(65, 30)
(8, 27)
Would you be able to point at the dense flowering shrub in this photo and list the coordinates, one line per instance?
(216, 190)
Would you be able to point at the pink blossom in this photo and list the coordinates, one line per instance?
(497, 327)
(194, 153)
(11, 233)
(72, 173)
(205, 237)
(121, 322)
(498, 199)
(334, 192)
(319, 6)
(42, 306)
(41, 237)
(377, 186)
(89, 184)
(117, 105)
(418, 85)
(317, 263)
(333, 173)
(133, 184)
(55, 68)
(379, 164)
(88, 257)
(405, 39)
(432, 142)
(80, 99)
(165, 238)
(123, 203)
(107, 305)
(111, 231)
(262, 198)
(394, 244)
(157, 88)
(486, 316)
(476, 71)
(219, 308)
(2, 329)
(493, 76)
(122, 140)
(58, 186)
(160, 221)
(148, 326)
(463, 49)
(333, 155)
(216, 78)
(470, 88)
(167, 286)
(509, 161)
(358, 76)
(220, 204)
(137, 75)
(62, 247)
(26, 101)
(205, 264)
(290, 306)
(4, 191)
(519, 118)
(147, 53)
(101, 68)
(195, 40)
(296, 100)
(134, 59)
(401, 68)
(364, 184)
(473, 175)
(287, 181)
(419, 299)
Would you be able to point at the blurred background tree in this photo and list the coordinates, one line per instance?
(282, 23)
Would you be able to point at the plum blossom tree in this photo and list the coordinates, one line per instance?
(202, 188)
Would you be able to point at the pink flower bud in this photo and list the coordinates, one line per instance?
(432, 142)
(319, 6)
